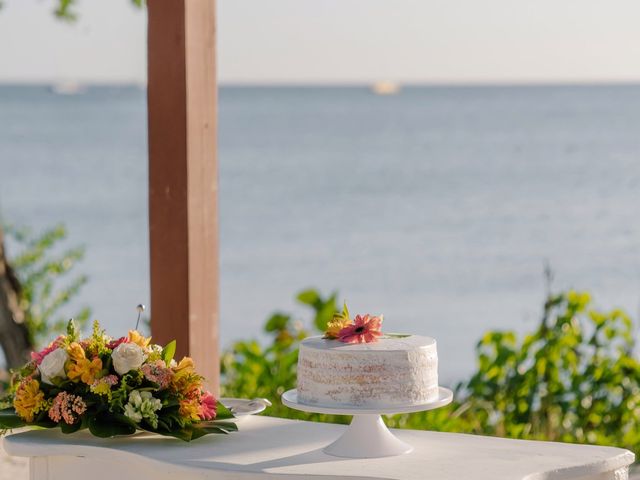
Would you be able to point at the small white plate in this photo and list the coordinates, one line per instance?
(241, 407)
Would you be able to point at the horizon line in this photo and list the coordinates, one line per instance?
(338, 84)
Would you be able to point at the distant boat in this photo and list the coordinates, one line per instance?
(68, 88)
(385, 88)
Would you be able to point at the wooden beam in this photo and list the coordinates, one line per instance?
(183, 218)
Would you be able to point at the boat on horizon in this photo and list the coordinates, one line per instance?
(68, 88)
(385, 88)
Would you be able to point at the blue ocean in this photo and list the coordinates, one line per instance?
(438, 206)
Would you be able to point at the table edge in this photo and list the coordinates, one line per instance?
(21, 445)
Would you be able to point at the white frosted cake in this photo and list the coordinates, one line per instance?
(393, 371)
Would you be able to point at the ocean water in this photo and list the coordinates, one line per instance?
(437, 207)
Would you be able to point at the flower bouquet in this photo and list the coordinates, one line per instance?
(112, 387)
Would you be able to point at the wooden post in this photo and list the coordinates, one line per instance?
(183, 219)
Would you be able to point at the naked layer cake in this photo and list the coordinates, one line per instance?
(356, 365)
(389, 372)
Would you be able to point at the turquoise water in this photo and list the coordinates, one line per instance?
(437, 207)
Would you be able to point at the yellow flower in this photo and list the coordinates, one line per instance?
(135, 337)
(193, 387)
(339, 321)
(85, 370)
(76, 352)
(184, 374)
(101, 388)
(29, 399)
(185, 366)
(190, 409)
(185, 379)
(334, 327)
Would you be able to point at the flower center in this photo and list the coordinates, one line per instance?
(359, 330)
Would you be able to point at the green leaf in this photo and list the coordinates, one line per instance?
(169, 351)
(72, 330)
(396, 335)
(222, 412)
(325, 313)
(185, 434)
(9, 419)
(345, 311)
(162, 425)
(277, 322)
(107, 425)
(212, 428)
(219, 427)
(42, 420)
(74, 427)
(309, 297)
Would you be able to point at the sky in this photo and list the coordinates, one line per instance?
(341, 41)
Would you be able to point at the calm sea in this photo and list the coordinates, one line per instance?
(437, 207)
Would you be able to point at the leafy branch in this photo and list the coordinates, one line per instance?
(45, 271)
(65, 10)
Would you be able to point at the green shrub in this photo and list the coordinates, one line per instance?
(44, 268)
(251, 370)
(574, 379)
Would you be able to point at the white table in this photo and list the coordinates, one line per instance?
(270, 448)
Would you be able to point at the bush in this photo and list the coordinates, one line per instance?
(43, 268)
(574, 379)
(252, 370)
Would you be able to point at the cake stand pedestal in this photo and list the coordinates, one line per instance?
(367, 436)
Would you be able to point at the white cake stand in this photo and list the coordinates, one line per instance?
(367, 436)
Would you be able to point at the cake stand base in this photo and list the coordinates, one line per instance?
(357, 442)
(367, 436)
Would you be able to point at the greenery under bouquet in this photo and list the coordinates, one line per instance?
(112, 387)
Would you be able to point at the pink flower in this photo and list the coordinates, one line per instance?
(110, 380)
(207, 406)
(157, 372)
(365, 329)
(114, 343)
(104, 384)
(67, 407)
(39, 356)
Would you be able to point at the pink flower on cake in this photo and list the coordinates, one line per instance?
(365, 329)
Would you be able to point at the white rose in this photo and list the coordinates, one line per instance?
(127, 357)
(53, 365)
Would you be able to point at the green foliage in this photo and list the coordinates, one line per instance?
(106, 424)
(65, 9)
(169, 351)
(574, 379)
(324, 309)
(252, 370)
(44, 268)
(9, 420)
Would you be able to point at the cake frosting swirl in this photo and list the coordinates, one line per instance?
(393, 371)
